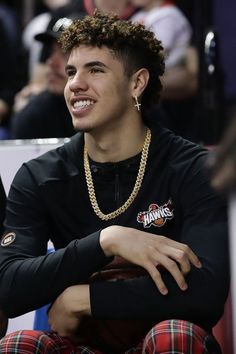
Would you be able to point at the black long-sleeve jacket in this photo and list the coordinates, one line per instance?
(48, 199)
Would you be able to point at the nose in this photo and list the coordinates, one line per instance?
(78, 83)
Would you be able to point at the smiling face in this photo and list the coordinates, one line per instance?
(98, 94)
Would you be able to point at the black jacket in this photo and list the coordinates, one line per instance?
(48, 199)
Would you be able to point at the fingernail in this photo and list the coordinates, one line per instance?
(184, 287)
(164, 291)
(199, 264)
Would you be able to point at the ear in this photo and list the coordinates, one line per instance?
(139, 82)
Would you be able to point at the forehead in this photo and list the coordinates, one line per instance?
(84, 54)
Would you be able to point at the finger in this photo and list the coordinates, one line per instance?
(156, 277)
(193, 258)
(183, 262)
(181, 258)
(174, 270)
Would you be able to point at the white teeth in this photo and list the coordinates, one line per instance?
(83, 103)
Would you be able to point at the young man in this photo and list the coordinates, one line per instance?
(141, 259)
(45, 114)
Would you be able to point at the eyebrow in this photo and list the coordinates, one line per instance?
(88, 65)
(95, 63)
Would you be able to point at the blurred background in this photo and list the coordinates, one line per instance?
(202, 117)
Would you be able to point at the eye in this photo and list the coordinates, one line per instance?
(70, 72)
(96, 70)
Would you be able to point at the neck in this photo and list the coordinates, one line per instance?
(117, 145)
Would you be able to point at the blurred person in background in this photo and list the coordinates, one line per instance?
(170, 26)
(38, 24)
(46, 114)
(180, 82)
(37, 80)
(222, 161)
(10, 67)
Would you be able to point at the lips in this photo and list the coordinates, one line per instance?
(81, 105)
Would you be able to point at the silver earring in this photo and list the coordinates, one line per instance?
(137, 104)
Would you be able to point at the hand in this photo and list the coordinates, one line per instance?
(23, 97)
(222, 162)
(68, 309)
(148, 251)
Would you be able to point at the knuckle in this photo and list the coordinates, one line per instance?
(181, 257)
(185, 248)
(172, 266)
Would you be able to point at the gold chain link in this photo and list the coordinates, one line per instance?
(137, 186)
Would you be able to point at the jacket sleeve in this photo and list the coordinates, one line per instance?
(29, 277)
(205, 231)
(2, 205)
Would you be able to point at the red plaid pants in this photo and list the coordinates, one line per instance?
(167, 337)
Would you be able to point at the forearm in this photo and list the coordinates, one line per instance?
(139, 299)
(30, 280)
(202, 302)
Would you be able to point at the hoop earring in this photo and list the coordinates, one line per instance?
(137, 104)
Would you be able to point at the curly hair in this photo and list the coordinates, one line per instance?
(130, 42)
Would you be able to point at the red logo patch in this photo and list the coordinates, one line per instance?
(156, 215)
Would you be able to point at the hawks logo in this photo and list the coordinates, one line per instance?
(156, 215)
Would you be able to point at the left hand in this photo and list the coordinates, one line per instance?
(222, 162)
(68, 309)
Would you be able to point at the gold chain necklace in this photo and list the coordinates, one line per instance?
(138, 183)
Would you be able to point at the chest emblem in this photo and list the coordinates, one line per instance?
(156, 215)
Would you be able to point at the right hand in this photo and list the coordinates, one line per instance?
(148, 251)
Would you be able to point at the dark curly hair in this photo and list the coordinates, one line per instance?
(131, 42)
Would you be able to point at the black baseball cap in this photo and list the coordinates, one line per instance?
(59, 22)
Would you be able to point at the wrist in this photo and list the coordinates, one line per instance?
(108, 239)
(80, 301)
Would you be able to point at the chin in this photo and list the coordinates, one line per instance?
(81, 128)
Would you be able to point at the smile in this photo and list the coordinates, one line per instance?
(83, 104)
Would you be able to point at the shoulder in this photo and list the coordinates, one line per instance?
(170, 13)
(55, 165)
(40, 103)
(177, 151)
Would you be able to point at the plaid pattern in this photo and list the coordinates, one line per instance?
(167, 337)
(179, 337)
